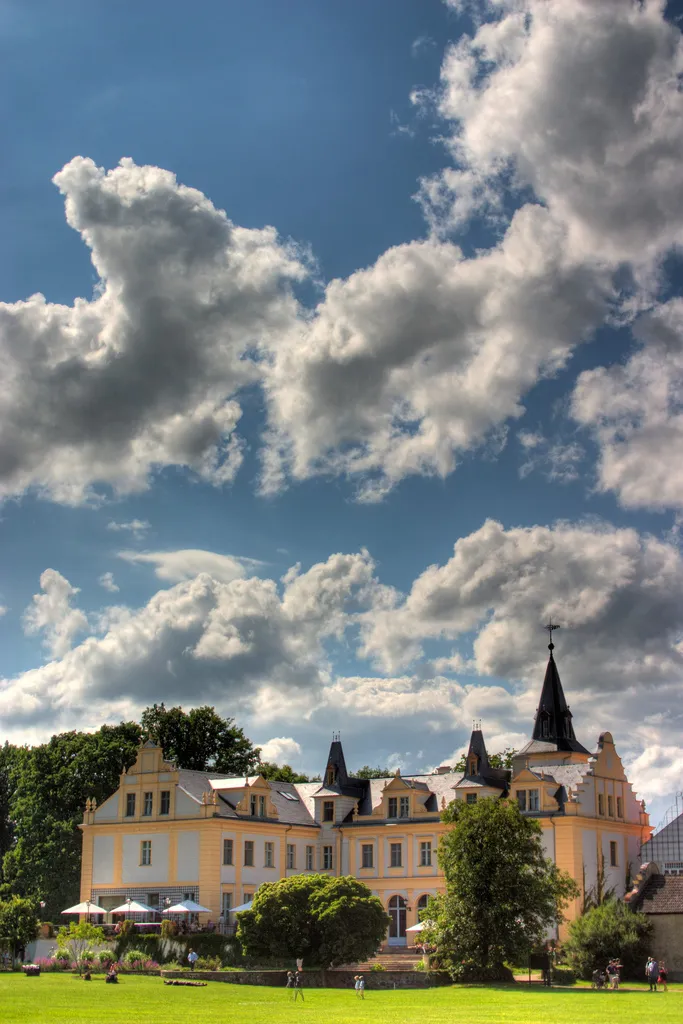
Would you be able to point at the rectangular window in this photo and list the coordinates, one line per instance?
(153, 900)
(521, 799)
(309, 858)
(425, 855)
(393, 807)
(404, 807)
(253, 806)
(620, 807)
(227, 851)
(291, 856)
(248, 853)
(148, 804)
(269, 855)
(601, 804)
(367, 855)
(226, 904)
(261, 807)
(534, 800)
(396, 855)
(146, 852)
(248, 897)
(610, 805)
(471, 798)
(130, 805)
(613, 855)
(327, 858)
(328, 810)
(165, 801)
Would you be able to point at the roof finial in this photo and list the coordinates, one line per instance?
(550, 626)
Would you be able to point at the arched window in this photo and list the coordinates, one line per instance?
(422, 905)
(397, 913)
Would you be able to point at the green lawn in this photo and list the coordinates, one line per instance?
(62, 999)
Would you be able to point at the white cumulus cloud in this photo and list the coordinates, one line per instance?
(184, 564)
(106, 580)
(52, 614)
(281, 750)
(144, 374)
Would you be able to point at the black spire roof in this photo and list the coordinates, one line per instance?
(477, 767)
(553, 722)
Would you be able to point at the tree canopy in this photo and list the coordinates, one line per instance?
(366, 772)
(324, 920)
(280, 772)
(77, 940)
(200, 740)
(501, 892)
(605, 931)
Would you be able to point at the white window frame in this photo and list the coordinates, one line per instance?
(269, 854)
(228, 852)
(291, 857)
(145, 853)
(425, 854)
(396, 851)
(328, 858)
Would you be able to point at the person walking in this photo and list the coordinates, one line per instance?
(192, 958)
(290, 984)
(663, 978)
(652, 973)
(298, 986)
(361, 986)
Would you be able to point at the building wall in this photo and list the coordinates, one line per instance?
(667, 942)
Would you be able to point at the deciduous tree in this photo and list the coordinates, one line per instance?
(78, 939)
(18, 922)
(201, 740)
(502, 894)
(323, 920)
(605, 931)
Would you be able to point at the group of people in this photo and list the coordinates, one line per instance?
(656, 974)
(295, 984)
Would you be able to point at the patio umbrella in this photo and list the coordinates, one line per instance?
(86, 907)
(242, 906)
(187, 907)
(133, 907)
(416, 927)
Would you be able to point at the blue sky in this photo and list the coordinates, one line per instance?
(347, 393)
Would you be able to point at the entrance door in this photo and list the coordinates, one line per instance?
(397, 928)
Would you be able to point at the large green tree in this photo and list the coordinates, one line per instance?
(7, 755)
(200, 740)
(18, 922)
(502, 894)
(605, 931)
(324, 920)
(49, 786)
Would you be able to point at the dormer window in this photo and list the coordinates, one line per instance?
(329, 777)
(545, 728)
(257, 806)
(328, 810)
(393, 807)
(472, 770)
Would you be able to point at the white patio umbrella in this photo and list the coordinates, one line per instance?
(242, 906)
(187, 907)
(86, 907)
(133, 907)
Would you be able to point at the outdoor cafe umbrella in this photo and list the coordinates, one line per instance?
(187, 907)
(242, 906)
(133, 907)
(417, 927)
(86, 907)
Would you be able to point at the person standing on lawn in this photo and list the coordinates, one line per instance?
(298, 986)
(192, 958)
(663, 978)
(652, 973)
(361, 986)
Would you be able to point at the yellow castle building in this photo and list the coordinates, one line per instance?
(169, 834)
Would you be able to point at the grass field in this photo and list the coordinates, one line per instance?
(63, 999)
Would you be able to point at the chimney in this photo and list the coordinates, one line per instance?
(443, 769)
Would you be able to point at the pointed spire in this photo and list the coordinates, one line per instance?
(553, 721)
(477, 760)
(335, 772)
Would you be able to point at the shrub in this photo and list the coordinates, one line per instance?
(169, 929)
(470, 972)
(563, 975)
(208, 963)
(606, 931)
(420, 966)
(105, 956)
(134, 956)
(377, 967)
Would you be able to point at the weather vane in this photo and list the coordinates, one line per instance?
(550, 626)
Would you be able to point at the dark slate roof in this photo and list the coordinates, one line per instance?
(439, 786)
(198, 783)
(485, 775)
(663, 894)
(553, 722)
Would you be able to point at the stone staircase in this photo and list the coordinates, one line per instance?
(397, 958)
